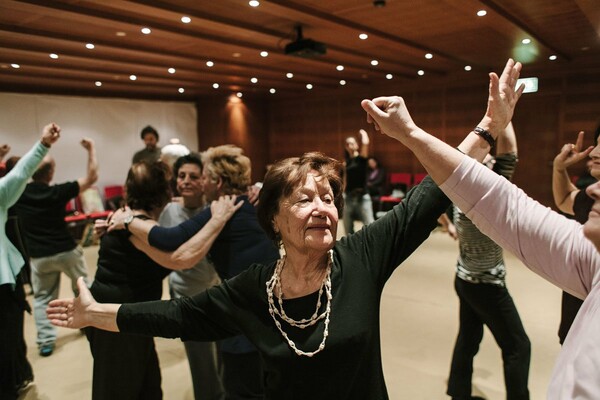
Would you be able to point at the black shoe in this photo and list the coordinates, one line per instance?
(24, 385)
(46, 349)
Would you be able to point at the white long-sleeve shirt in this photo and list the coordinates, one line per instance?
(552, 246)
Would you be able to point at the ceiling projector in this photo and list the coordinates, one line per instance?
(306, 48)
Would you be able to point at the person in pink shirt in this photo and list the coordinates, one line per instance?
(560, 250)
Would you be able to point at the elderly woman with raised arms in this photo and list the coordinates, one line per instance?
(314, 314)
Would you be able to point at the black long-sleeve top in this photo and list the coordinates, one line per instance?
(350, 365)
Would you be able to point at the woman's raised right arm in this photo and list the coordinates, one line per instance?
(13, 184)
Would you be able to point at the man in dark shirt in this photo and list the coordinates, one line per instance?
(53, 250)
(151, 152)
(358, 204)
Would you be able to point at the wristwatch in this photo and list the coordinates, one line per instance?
(127, 221)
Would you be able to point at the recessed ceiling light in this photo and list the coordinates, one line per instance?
(363, 36)
(121, 34)
(90, 46)
(264, 54)
(215, 85)
(254, 80)
(171, 70)
(429, 56)
(254, 3)
(389, 76)
(98, 83)
(374, 62)
(209, 64)
(342, 82)
(272, 90)
(340, 67)
(467, 68)
(133, 77)
(181, 90)
(15, 66)
(146, 31)
(236, 55)
(186, 20)
(552, 57)
(526, 41)
(421, 72)
(239, 94)
(53, 56)
(289, 75)
(481, 13)
(309, 86)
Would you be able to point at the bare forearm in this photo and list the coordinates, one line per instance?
(563, 190)
(92, 171)
(189, 253)
(507, 141)
(103, 316)
(438, 158)
(141, 228)
(195, 249)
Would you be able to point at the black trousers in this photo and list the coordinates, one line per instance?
(125, 366)
(243, 376)
(493, 306)
(14, 367)
(570, 306)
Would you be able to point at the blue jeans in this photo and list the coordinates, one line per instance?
(45, 281)
(357, 208)
(493, 306)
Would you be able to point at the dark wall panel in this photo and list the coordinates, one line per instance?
(275, 128)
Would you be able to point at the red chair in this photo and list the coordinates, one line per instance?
(112, 191)
(399, 183)
(400, 180)
(418, 178)
(113, 197)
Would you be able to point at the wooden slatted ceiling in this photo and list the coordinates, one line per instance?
(231, 34)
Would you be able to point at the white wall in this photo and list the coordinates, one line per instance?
(114, 125)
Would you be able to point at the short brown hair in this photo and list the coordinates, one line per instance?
(286, 175)
(147, 185)
(230, 164)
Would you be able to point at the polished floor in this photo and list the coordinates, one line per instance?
(419, 316)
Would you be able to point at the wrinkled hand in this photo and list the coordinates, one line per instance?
(253, 193)
(502, 97)
(390, 116)
(117, 219)
(572, 153)
(225, 207)
(452, 231)
(71, 313)
(87, 143)
(101, 226)
(50, 134)
(4, 149)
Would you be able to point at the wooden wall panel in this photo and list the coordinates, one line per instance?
(224, 120)
(448, 108)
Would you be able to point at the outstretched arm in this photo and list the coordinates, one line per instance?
(563, 190)
(82, 311)
(92, 166)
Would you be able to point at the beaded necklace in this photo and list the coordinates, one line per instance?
(274, 284)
